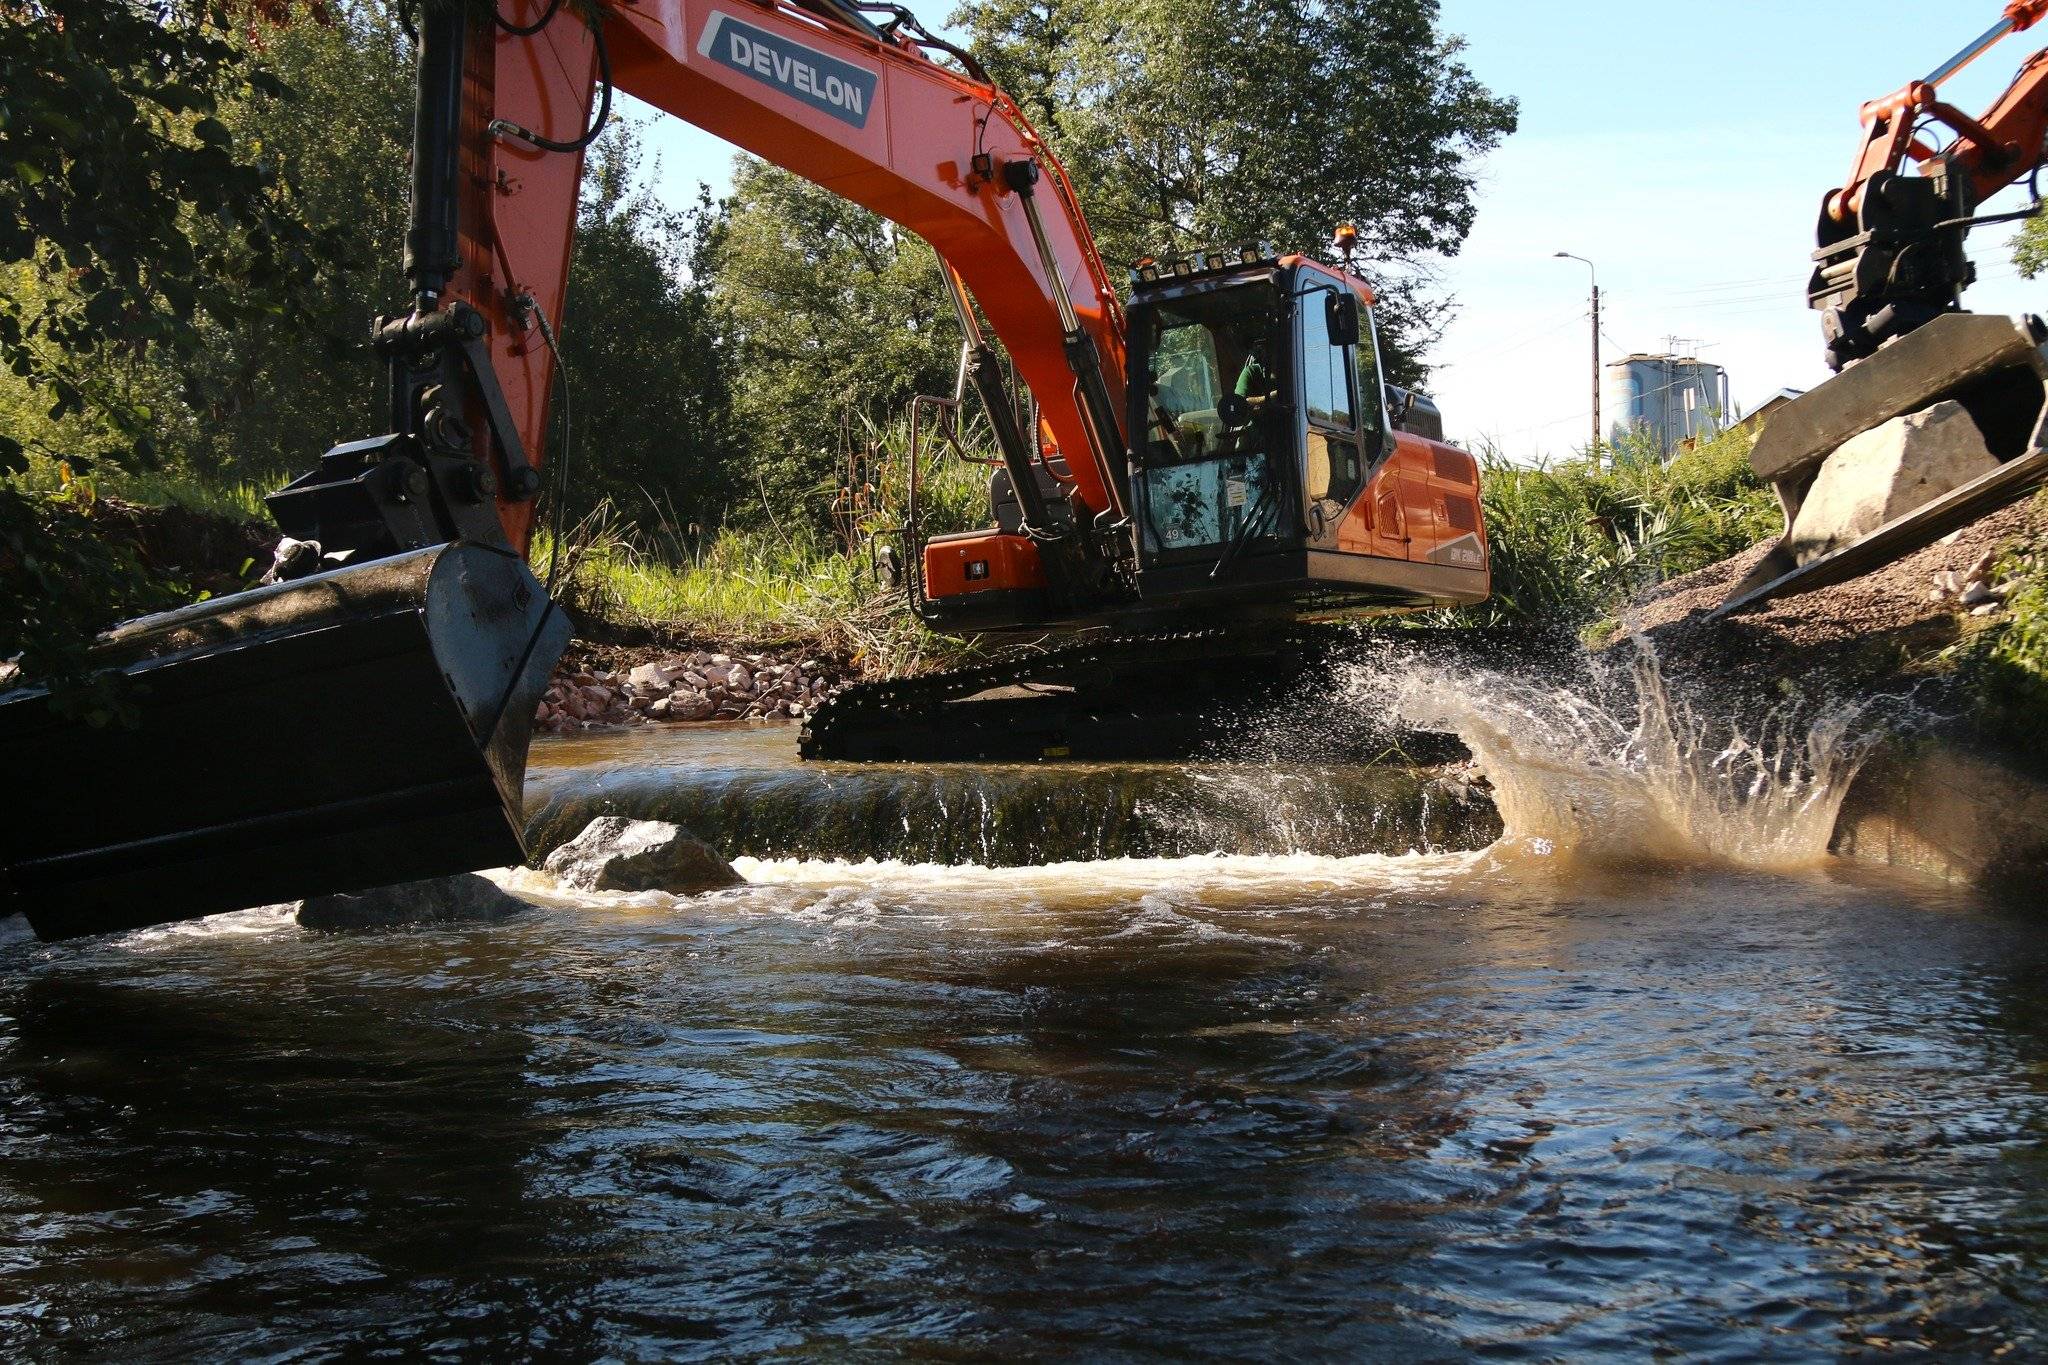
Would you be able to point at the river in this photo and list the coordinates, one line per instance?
(1293, 1099)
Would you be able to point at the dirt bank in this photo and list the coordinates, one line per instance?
(208, 553)
(1961, 799)
(1884, 628)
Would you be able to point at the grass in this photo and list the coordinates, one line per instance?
(156, 488)
(750, 587)
(2006, 666)
(784, 581)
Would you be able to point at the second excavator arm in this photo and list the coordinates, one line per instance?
(1891, 255)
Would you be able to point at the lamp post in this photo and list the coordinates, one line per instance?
(1595, 272)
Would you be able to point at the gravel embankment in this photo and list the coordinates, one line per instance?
(1851, 635)
(597, 686)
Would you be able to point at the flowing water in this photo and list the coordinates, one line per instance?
(745, 791)
(1534, 1101)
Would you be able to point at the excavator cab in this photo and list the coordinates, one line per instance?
(1258, 409)
(1266, 474)
(1265, 466)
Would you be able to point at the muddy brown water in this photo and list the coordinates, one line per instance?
(1246, 1105)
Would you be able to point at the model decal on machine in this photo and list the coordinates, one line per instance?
(1465, 552)
(818, 79)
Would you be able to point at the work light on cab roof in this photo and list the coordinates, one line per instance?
(1154, 269)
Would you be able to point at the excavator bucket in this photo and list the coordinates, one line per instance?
(358, 728)
(1993, 366)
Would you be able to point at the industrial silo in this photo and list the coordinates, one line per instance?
(1659, 402)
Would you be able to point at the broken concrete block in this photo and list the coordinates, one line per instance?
(439, 900)
(1885, 473)
(616, 854)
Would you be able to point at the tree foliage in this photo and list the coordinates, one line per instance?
(644, 354)
(116, 156)
(262, 395)
(1222, 121)
(2030, 247)
(831, 311)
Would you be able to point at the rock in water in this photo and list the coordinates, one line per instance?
(440, 900)
(1885, 473)
(616, 854)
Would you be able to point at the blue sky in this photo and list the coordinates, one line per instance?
(1684, 148)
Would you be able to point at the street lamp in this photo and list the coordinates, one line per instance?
(1594, 271)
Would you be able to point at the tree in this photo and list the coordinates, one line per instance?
(1224, 121)
(644, 356)
(2030, 248)
(830, 310)
(261, 396)
(109, 125)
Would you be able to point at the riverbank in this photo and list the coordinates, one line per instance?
(1921, 622)
(600, 686)
(1960, 792)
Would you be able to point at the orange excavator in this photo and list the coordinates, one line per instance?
(1888, 279)
(1219, 450)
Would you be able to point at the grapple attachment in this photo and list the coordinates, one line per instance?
(361, 727)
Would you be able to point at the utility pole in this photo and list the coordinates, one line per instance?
(1594, 449)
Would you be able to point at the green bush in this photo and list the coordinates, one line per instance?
(2007, 665)
(1573, 541)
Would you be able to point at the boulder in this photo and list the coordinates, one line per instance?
(1885, 473)
(649, 677)
(690, 706)
(616, 854)
(441, 900)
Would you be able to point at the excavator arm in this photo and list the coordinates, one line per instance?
(1888, 279)
(1891, 255)
(365, 720)
(816, 89)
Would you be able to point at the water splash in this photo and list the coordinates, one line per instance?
(1624, 770)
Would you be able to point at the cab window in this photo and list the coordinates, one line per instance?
(1372, 392)
(1325, 373)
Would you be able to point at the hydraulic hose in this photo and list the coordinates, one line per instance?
(604, 92)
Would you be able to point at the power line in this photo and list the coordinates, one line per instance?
(1519, 342)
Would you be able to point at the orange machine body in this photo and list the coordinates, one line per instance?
(866, 113)
(981, 562)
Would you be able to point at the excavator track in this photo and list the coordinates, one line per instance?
(1160, 696)
(1062, 703)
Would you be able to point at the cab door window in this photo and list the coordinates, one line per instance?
(1325, 374)
(1332, 468)
(1372, 389)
